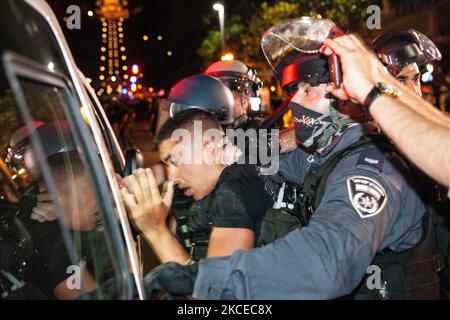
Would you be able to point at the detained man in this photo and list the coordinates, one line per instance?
(230, 200)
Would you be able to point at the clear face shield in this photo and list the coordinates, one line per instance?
(282, 45)
(421, 51)
(245, 87)
(15, 158)
(240, 82)
(237, 84)
(256, 83)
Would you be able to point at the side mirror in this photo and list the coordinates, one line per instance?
(134, 159)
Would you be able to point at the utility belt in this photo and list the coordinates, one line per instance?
(285, 216)
(195, 242)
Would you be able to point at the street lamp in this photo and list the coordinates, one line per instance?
(219, 7)
(227, 57)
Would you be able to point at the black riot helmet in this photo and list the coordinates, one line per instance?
(203, 92)
(397, 49)
(307, 68)
(292, 50)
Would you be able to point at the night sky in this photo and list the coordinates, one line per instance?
(182, 23)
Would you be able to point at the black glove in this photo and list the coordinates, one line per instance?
(174, 278)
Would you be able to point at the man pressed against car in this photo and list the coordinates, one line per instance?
(359, 200)
(230, 200)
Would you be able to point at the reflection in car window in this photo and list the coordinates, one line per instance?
(25, 32)
(32, 222)
(35, 260)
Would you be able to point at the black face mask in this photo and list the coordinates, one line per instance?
(309, 125)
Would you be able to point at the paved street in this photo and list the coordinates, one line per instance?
(144, 142)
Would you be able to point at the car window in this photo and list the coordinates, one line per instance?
(59, 236)
(26, 33)
(55, 222)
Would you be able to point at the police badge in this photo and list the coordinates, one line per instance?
(366, 195)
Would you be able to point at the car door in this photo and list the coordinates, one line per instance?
(114, 150)
(59, 223)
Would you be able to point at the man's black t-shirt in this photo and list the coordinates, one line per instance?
(238, 201)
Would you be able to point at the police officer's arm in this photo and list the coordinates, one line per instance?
(225, 241)
(325, 260)
(362, 70)
(421, 131)
(424, 142)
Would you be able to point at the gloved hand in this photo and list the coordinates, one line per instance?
(147, 209)
(174, 278)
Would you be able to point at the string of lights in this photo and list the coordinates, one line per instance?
(113, 59)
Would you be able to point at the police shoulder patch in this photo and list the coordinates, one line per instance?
(367, 196)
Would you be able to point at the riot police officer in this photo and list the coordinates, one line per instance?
(405, 53)
(243, 82)
(358, 196)
(227, 212)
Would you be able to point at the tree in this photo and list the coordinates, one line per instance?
(268, 16)
(210, 49)
(245, 40)
(405, 7)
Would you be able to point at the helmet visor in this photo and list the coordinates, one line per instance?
(282, 43)
(421, 52)
(238, 84)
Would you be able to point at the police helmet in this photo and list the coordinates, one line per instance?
(397, 49)
(203, 92)
(292, 50)
(307, 68)
(237, 76)
(55, 137)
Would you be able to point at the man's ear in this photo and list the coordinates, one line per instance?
(210, 152)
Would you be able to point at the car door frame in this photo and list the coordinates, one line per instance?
(45, 11)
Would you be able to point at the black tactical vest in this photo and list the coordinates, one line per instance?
(195, 242)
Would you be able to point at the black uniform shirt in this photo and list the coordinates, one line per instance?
(238, 201)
